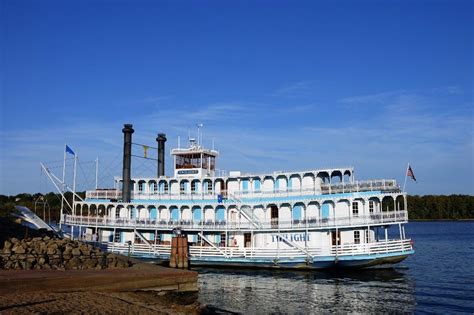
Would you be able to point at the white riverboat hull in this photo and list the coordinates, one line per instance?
(368, 255)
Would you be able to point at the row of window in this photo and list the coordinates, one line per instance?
(207, 185)
(355, 207)
(357, 237)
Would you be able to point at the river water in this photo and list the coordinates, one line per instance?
(439, 278)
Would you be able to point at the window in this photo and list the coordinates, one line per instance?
(117, 213)
(356, 237)
(207, 187)
(140, 187)
(367, 236)
(257, 185)
(213, 163)
(355, 208)
(194, 186)
(117, 236)
(188, 161)
(183, 187)
(371, 206)
(223, 240)
(247, 239)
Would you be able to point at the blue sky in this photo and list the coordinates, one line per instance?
(280, 85)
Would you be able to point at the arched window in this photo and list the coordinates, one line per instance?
(257, 185)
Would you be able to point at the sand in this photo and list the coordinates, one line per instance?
(100, 303)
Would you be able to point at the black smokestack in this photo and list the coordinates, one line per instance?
(127, 161)
(161, 139)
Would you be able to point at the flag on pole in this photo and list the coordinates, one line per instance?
(410, 173)
(69, 150)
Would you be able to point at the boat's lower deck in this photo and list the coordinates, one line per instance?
(347, 256)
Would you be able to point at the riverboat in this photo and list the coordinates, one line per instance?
(312, 219)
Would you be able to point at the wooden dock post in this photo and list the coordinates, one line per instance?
(179, 252)
(174, 252)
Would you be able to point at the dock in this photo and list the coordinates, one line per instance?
(139, 277)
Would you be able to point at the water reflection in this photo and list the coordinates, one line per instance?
(268, 291)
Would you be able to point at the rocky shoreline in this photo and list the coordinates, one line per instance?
(45, 253)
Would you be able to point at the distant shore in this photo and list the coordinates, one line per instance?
(440, 220)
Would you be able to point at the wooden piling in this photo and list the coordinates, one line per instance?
(179, 252)
(174, 252)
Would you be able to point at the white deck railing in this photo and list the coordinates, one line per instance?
(376, 218)
(368, 185)
(380, 247)
(359, 186)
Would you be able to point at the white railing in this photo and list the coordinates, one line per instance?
(359, 186)
(104, 194)
(368, 185)
(376, 218)
(380, 247)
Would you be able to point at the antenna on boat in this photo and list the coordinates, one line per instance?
(199, 137)
(97, 173)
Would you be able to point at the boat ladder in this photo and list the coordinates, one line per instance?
(212, 244)
(243, 210)
(146, 241)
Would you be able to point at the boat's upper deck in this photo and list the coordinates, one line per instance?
(243, 186)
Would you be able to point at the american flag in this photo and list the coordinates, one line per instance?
(410, 173)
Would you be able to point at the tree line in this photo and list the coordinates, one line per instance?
(440, 207)
(428, 207)
(47, 207)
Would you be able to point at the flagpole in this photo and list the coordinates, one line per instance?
(97, 173)
(74, 189)
(62, 188)
(406, 175)
(74, 183)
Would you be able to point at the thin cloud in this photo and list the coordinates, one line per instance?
(299, 89)
(376, 98)
(449, 90)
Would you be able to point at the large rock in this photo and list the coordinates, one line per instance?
(52, 248)
(91, 263)
(67, 249)
(73, 263)
(7, 244)
(18, 249)
(41, 261)
(85, 250)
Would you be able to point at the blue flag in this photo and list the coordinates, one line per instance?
(69, 150)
